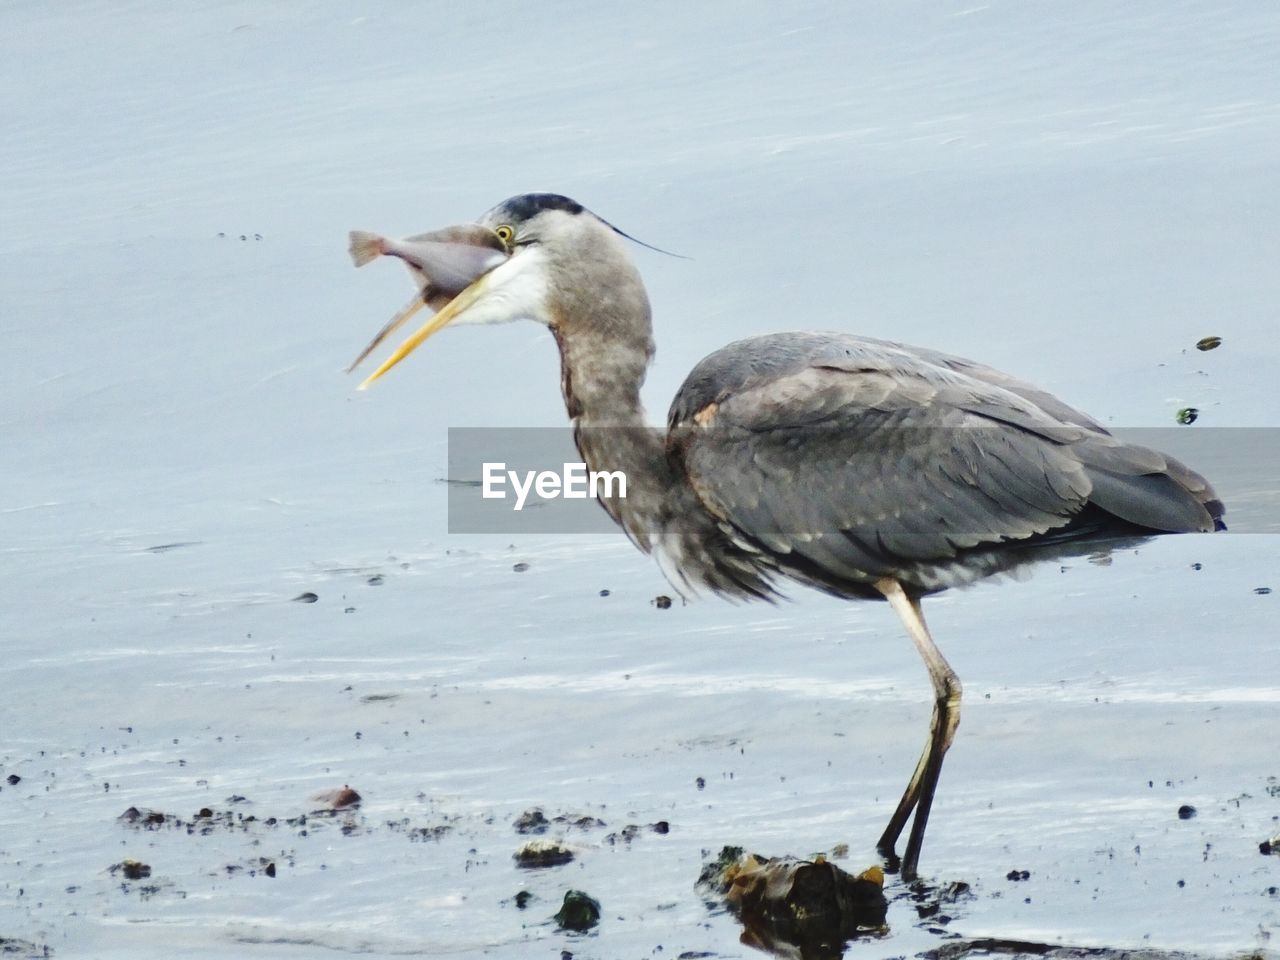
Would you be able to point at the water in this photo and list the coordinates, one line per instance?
(1074, 195)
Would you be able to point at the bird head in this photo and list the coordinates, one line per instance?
(545, 258)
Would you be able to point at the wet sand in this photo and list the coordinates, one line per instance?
(1076, 754)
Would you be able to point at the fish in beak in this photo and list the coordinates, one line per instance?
(444, 264)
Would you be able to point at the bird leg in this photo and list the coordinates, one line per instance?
(942, 730)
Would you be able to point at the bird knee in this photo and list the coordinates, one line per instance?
(946, 708)
(947, 692)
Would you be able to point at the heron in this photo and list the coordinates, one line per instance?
(864, 468)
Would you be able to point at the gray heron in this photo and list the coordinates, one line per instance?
(864, 468)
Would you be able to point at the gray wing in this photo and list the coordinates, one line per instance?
(854, 459)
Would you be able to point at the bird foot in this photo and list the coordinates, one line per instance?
(892, 862)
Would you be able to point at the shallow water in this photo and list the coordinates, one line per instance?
(1077, 198)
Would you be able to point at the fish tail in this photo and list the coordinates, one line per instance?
(365, 246)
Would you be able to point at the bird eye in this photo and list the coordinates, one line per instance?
(505, 233)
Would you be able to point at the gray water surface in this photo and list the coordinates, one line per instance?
(1073, 193)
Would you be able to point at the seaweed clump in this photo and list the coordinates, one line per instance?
(786, 904)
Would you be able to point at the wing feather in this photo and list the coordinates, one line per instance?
(855, 458)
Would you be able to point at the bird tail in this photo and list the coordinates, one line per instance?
(365, 246)
(1151, 489)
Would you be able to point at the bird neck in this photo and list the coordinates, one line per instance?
(601, 385)
(601, 381)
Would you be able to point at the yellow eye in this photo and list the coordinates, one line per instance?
(505, 233)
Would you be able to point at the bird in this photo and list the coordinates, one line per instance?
(864, 468)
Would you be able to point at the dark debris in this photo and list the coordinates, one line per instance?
(537, 854)
(579, 912)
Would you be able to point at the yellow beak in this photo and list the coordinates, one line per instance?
(392, 325)
(450, 312)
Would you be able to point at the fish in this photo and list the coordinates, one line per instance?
(442, 263)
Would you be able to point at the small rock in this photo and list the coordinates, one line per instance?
(1186, 812)
(931, 900)
(1208, 343)
(579, 912)
(13, 779)
(132, 869)
(1018, 875)
(307, 597)
(542, 853)
(150, 819)
(632, 830)
(662, 602)
(520, 567)
(522, 899)
(625, 835)
(337, 799)
(532, 821)
(1262, 591)
(583, 822)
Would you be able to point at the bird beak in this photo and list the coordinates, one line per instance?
(451, 266)
(395, 323)
(450, 312)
